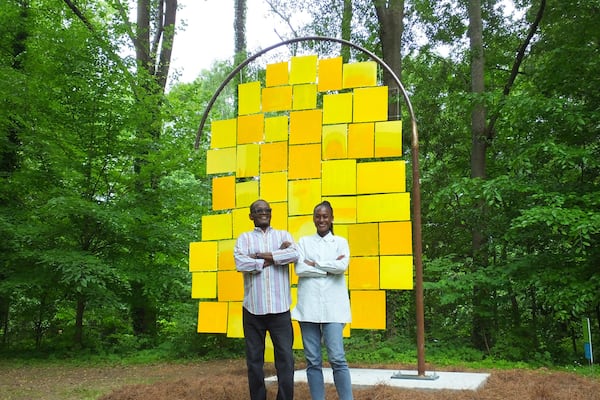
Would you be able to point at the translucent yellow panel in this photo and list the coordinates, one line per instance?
(346, 331)
(337, 108)
(363, 239)
(250, 128)
(276, 129)
(273, 186)
(339, 177)
(370, 104)
(249, 98)
(341, 229)
(305, 126)
(223, 133)
(360, 74)
(303, 196)
(220, 161)
(216, 227)
(212, 317)
(304, 97)
(344, 210)
(203, 256)
(330, 74)
(303, 69)
(395, 238)
(388, 139)
(247, 160)
(363, 273)
(277, 74)
(277, 98)
(273, 157)
(381, 177)
(241, 221)
(368, 309)
(225, 258)
(301, 225)
(396, 272)
(305, 161)
(235, 324)
(204, 285)
(293, 278)
(383, 207)
(230, 285)
(279, 215)
(269, 350)
(246, 193)
(361, 140)
(223, 193)
(335, 141)
(297, 345)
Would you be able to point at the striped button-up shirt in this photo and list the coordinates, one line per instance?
(266, 290)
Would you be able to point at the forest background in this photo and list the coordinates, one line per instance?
(101, 189)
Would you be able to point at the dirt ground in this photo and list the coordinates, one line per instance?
(224, 380)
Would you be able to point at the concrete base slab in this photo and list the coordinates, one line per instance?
(364, 377)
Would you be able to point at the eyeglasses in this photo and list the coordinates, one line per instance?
(261, 211)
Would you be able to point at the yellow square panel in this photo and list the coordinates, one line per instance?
(396, 272)
(304, 161)
(338, 177)
(279, 216)
(220, 161)
(301, 225)
(383, 207)
(273, 186)
(293, 282)
(330, 74)
(297, 345)
(335, 141)
(235, 324)
(381, 177)
(346, 331)
(304, 96)
(216, 227)
(223, 193)
(250, 128)
(303, 69)
(241, 221)
(341, 229)
(212, 317)
(368, 309)
(303, 196)
(305, 126)
(273, 157)
(247, 160)
(230, 286)
(269, 350)
(361, 140)
(337, 108)
(363, 273)
(225, 260)
(249, 98)
(277, 98)
(246, 193)
(363, 239)
(370, 104)
(223, 133)
(359, 74)
(277, 74)
(204, 285)
(203, 256)
(388, 139)
(344, 209)
(276, 129)
(395, 238)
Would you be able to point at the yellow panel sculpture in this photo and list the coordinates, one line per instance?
(285, 149)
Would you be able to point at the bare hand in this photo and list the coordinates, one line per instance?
(285, 245)
(340, 257)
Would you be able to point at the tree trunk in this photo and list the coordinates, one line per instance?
(346, 29)
(79, 311)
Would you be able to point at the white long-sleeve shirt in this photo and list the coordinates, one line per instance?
(322, 291)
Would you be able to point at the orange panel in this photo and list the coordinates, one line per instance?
(395, 238)
(277, 98)
(305, 161)
(273, 157)
(359, 74)
(388, 139)
(330, 74)
(305, 126)
(368, 309)
(250, 128)
(230, 286)
(361, 140)
(363, 273)
(277, 74)
(212, 317)
(225, 258)
(223, 193)
(335, 141)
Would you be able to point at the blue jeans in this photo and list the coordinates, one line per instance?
(331, 332)
(282, 336)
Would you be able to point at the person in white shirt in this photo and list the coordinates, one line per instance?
(323, 306)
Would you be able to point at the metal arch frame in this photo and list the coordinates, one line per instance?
(417, 245)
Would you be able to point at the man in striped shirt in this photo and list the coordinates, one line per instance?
(263, 255)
